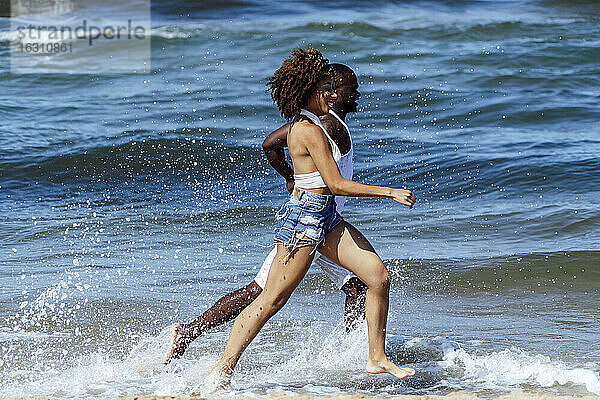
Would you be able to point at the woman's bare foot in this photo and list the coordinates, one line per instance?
(177, 345)
(380, 367)
(218, 379)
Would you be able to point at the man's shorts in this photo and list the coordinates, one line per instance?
(338, 275)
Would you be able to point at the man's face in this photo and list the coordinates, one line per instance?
(346, 88)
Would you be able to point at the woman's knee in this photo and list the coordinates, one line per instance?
(379, 278)
(273, 302)
(383, 279)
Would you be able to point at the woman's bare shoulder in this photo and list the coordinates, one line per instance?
(304, 130)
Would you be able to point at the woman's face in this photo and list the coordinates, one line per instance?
(323, 98)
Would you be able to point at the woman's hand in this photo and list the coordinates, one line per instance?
(402, 196)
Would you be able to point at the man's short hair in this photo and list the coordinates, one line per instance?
(339, 70)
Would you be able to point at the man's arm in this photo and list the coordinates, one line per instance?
(330, 124)
(273, 146)
(337, 132)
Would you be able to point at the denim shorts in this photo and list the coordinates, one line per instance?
(305, 220)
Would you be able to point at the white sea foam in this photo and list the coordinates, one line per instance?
(7, 334)
(177, 32)
(326, 362)
(92, 375)
(512, 368)
(8, 36)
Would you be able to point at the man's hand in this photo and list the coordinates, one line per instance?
(290, 186)
(274, 146)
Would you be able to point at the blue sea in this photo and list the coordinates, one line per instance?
(130, 201)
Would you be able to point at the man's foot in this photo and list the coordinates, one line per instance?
(177, 344)
(380, 367)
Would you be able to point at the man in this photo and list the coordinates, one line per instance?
(230, 305)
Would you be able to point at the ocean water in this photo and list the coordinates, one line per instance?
(132, 201)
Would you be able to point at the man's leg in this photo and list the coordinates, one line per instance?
(224, 310)
(354, 311)
(354, 288)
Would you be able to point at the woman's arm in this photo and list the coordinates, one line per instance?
(318, 148)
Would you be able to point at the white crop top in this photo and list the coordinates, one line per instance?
(314, 180)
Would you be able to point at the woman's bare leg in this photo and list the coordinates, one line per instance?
(347, 247)
(284, 276)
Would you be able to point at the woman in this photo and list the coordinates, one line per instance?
(308, 222)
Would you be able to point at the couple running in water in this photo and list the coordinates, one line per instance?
(229, 306)
(304, 88)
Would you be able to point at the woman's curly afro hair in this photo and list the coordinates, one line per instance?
(297, 79)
